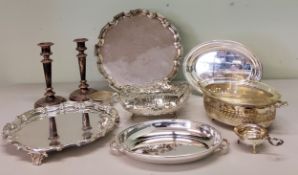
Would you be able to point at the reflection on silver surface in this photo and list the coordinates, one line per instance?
(220, 59)
(138, 48)
(54, 128)
(218, 63)
(162, 98)
(169, 141)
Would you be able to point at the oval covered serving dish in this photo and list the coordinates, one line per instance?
(169, 141)
(235, 102)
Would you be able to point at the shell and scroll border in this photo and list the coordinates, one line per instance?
(152, 15)
(37, 155)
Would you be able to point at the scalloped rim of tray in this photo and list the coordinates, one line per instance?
(151, 15)
(38, 154)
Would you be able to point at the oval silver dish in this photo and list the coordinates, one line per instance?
(54, 128)
(220, 59)
(169, 141)
(138, 48)
(160, 99)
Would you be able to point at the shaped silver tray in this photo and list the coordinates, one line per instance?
(53, 128)
(138, 48)
(169, 141)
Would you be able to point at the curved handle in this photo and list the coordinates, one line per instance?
(116, 149)
(280, 103)
(115, 98)
(224, 146)
(275, 141)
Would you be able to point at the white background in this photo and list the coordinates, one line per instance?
(268, 28)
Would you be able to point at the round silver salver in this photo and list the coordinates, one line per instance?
(220, 59)
(138, 48)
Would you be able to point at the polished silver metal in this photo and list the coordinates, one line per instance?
(138, 48)
(169, 141)
(159, 99)
(220, 59)
(54, 128)
(254, 135)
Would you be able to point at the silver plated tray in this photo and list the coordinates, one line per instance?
(220, 59)
(54, 128)
(138, 48)
(169, 141)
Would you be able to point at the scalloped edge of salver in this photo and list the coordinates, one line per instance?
(152, 15)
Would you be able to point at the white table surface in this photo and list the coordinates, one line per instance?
(97, 159)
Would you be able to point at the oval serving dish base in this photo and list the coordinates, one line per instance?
(168, 141)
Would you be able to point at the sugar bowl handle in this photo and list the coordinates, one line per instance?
(280, 103)
(275, 141)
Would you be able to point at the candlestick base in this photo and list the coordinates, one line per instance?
(78, 95)
(46, 101)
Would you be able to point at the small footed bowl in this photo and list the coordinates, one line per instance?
(253, 134)
(159, 99)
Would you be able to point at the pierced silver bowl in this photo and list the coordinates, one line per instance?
(159, 99)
